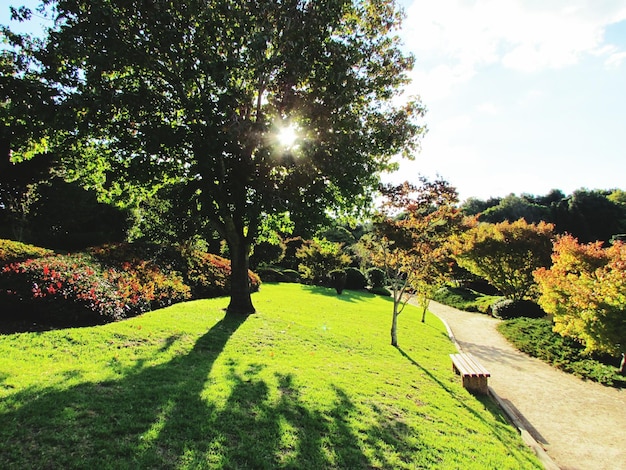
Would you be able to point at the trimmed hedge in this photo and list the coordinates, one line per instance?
(376, 277)
(355, 279)
(507, 308)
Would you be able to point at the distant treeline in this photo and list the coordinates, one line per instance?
(588, 215)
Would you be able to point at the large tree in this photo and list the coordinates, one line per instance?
(197, 92)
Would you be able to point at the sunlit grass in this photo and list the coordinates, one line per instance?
(310, 381)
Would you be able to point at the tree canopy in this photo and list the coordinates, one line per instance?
(584, 290)
(407, 241)
(505, 254)
(195, 93)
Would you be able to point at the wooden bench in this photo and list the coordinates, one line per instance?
(474, 375)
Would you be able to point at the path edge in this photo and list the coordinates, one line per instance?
(527, 437)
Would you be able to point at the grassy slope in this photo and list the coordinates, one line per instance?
(308, 382)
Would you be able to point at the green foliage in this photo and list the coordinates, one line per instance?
(465, 299)
(169, 216)
(267, 253)
(590, 216)
(537, 338)
(290, 275)
(12, 251)
(513, 208)
(319, 257)
(290, 260)
(474, 206)
(505, 254)
(507, 309)
(268, 274)
(355, 279)
(337, 234)
(66, 216)
(196, 93)
(376, 277)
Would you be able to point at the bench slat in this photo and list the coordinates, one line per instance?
(473, 373)
(467, 365)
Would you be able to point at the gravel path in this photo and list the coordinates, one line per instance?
(581, 425)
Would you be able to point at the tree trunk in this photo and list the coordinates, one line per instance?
(240, 299)
(394, 326)
(622, 366)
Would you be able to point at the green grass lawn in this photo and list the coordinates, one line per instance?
(309, 382)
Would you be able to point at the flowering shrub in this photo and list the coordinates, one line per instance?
(113, 281)
(70, 279)
(114, 293)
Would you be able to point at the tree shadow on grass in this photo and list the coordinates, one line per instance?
(486, 400)
(165, 416)
(348, 295)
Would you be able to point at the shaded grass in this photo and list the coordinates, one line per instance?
(309, 382)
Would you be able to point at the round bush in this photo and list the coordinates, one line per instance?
(338, 279)
(355, 279)
(507, 308)
(376, 277)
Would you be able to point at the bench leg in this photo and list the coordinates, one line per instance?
(476, 384)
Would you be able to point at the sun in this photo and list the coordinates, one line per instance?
(287, 136)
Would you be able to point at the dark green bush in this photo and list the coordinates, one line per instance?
(376, 277)
(380, 291)
(290, 260)
(270, 275)
(290, 275)
(355, 279)
(266, 253)
(534, 336)
(338, 279)
(337, 235)
(507, 308)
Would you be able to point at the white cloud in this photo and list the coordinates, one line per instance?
(525, 35)
(438, 82)
(615, 60)
(488, 108)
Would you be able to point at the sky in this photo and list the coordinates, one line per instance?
(523, 96)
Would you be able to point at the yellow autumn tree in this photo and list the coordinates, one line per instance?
(505, 254)
(585, 290)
